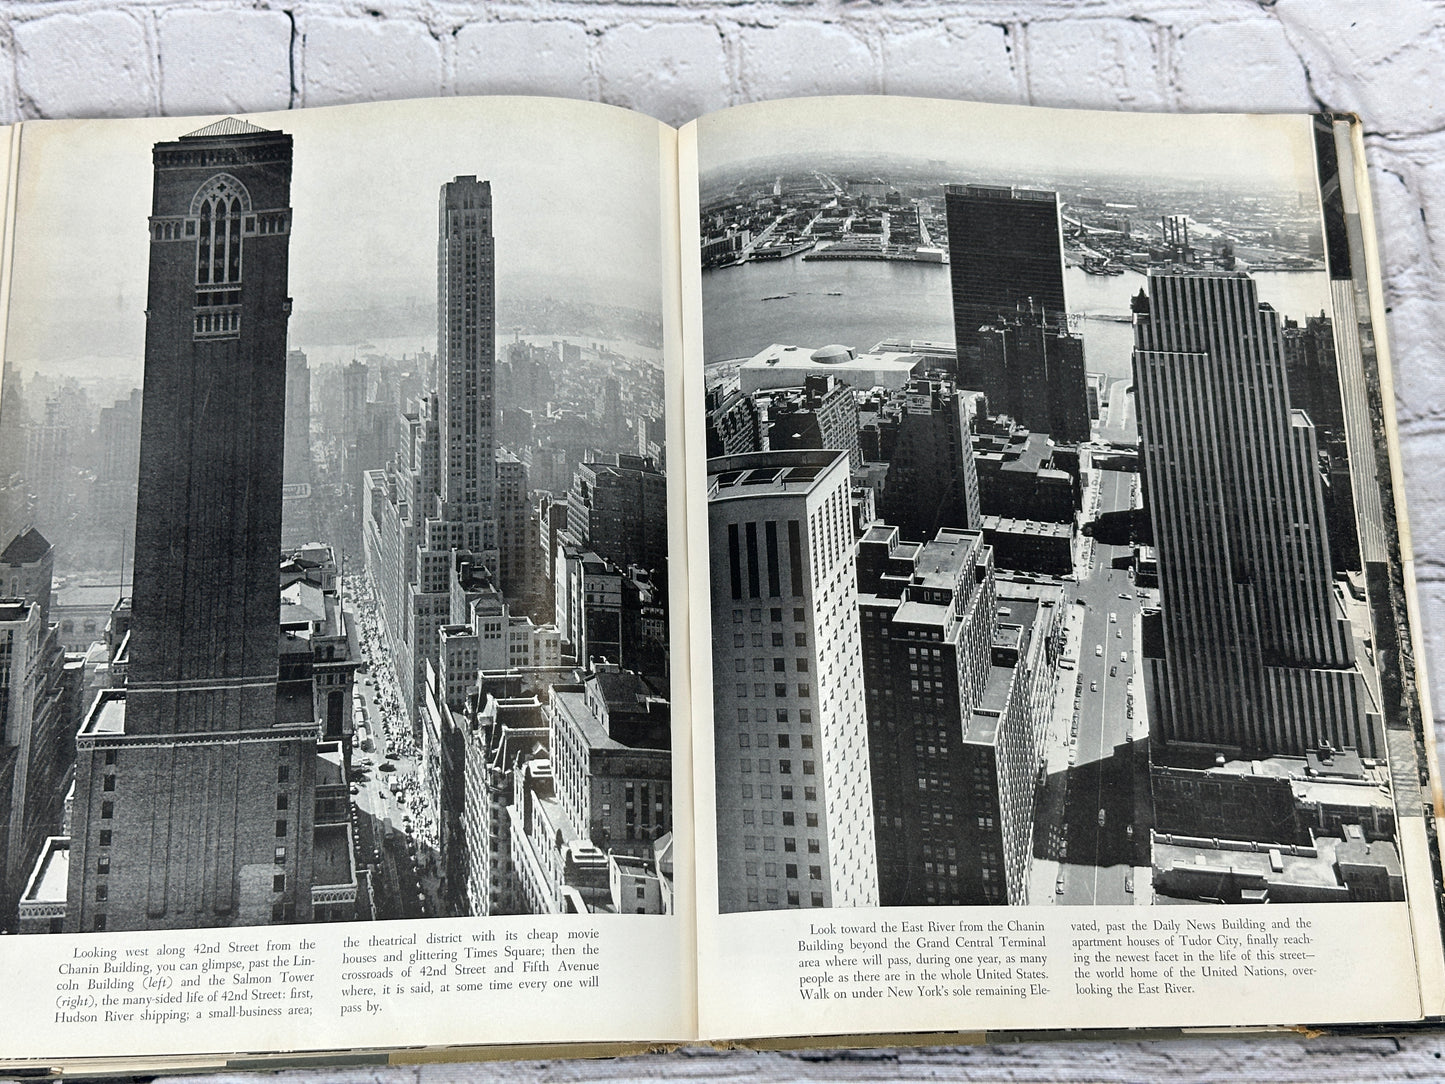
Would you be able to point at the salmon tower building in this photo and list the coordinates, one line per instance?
(194, 806)
(1258, 653)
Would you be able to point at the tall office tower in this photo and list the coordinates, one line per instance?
(296, 461)
(36, 727)
(1257, 652)
(1038, 367)
(300, 520)
(194, 805)
(794, 792)
(47, 468)
(466, 342)
(932, 477)
(354, 379)
(1004, 247)
(951, 691)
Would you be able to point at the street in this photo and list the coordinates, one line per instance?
(393, 835)
(1086, 843)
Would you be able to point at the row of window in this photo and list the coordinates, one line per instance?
(784, 740)
(780, 688)
(765, 767)
(785, 792)
(790, 870)
(770, 843)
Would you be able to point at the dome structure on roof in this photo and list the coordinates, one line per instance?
(833, 355)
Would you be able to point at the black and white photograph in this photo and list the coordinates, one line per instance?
(1052, 553)
(334, 581)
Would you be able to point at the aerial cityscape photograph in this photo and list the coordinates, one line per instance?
(327, 611)
(1049, 560)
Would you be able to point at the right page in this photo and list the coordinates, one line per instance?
(1064, 670)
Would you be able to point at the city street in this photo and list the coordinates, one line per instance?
(393, 836)
(1086, 839)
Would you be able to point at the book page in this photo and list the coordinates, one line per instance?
(1054, 578)
(347, 690)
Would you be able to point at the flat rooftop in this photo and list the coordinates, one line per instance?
(331, 856)
(51, 877)
(107, 714)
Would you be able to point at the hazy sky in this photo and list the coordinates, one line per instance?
(1270, 151)
(574, 191)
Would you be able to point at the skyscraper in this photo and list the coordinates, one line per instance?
(1004, 248)
(794, 800)
(466, 342)
(445, 494)
(1257, 652)
(932, 476)
(194, 805)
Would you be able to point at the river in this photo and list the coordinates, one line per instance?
(861, 302)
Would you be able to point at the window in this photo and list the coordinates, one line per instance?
(810, 794)
(800, 639)
(807, 741)
(783, 741)
(110, 756)
(280, 855)
(802, 666)
(744, 740)
(782, 715)
(785, 767)
(641, 892)
(804, 690)
(777, 613)
(791, 871)
(99, 922)
(749, 816)
(813, 847)
(790, 844)
(107, 810)
(780, 689)
(752, 895)
(787, 793)
(751, 868)
(281, 829)
(102, 864)
(102, 892)
(807, 767)
(283, 774)
(282, 801)
(787, 817)
(105, 837)
(812, 820)
(779, 665)
(278, 883)
(815, 872)
(792, 898)
(750, 843)
(109, 783)
(817, 899)
(777, 639)
(799, 614)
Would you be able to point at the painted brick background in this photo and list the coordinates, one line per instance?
(1382, 58)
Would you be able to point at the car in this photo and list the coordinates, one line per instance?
(1093, 686)
(1113, 617)
(1113, 670)
(355, 789)
(1098, 651)
(1101, 818)
(1124, 595)
(1118, 634)
(1123, 656)
(1059, 885)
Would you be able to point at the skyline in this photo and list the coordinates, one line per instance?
(82, 299)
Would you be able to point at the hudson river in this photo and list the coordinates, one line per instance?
(861, 302)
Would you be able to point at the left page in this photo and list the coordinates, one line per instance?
(342, 707)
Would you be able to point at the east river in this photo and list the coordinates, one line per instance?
(859, 303)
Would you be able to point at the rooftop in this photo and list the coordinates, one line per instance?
(25, 548)
(50, 879)
(106, 715)
(229, 126)
(755, 474)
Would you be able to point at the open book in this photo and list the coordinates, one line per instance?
(490, 572)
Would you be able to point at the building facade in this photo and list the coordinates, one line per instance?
(193, 806)
(1004, 247)
(794, 791)
(1258, 653)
